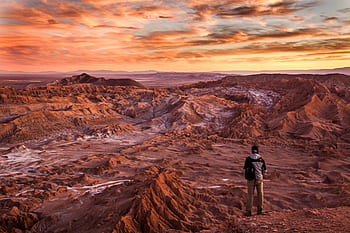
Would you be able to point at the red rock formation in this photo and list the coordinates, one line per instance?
(85, 78)
(155, 201)
(15, 216)
(167, 204)
(258, 106)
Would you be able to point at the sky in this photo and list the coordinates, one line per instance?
(174, 35)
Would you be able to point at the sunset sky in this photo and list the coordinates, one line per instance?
(180, 35)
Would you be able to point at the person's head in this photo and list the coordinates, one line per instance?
(255, 150)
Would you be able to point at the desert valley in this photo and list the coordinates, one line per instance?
(89, 154)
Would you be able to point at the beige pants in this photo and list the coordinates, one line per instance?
(252, 184)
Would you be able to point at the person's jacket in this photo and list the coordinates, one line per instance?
(256, 163)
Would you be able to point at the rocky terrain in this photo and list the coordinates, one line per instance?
(87, 154)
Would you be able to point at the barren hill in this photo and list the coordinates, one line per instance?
(170, 159)
(85, 78)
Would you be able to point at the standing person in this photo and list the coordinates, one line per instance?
(254, 168)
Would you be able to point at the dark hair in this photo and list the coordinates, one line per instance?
(255, 149)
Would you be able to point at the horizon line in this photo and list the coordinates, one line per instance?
(159, 71)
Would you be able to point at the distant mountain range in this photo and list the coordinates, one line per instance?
(344, 70)
(69, 73)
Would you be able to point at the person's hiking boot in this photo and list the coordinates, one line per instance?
(248, 213)
(259, 212)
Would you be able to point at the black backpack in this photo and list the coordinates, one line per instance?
(250, 170)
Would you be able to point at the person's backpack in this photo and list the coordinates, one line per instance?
(250, 170)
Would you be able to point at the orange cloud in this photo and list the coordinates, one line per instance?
(117, 27)
(167, 17)
(331, 19)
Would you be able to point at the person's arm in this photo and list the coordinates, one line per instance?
(245, 166)
(264, 169)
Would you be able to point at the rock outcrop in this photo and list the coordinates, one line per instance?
(156, 200)
(85, 78)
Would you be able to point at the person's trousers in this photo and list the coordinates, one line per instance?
(252, 185)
